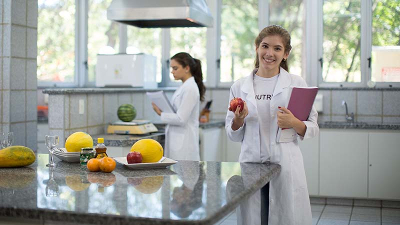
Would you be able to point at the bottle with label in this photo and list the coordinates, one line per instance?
(86, 154)
(101, 149)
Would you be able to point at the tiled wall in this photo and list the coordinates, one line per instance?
(18, 32)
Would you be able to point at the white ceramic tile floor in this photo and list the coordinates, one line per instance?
(342, 215)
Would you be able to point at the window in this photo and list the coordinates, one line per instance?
(191, 40)
(102, 34)
(239, 28)
(385, 41)
(341, 41)
(290, 16)
(56, 42)
(145, 40)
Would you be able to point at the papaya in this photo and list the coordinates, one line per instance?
(16, 156)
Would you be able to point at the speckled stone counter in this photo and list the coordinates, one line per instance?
(185, 193)
(359, 125)
(209, 124)
(123, 140)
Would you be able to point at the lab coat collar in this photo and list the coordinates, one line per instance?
(283, 82)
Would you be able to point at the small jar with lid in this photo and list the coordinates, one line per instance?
(86, 155)
(101, 149)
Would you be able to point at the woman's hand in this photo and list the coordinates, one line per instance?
(156, 109)
(287, 120)
(238, 120)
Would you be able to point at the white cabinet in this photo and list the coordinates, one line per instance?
(343, 163)
(310, 150)
(384, 165)
(211, 144)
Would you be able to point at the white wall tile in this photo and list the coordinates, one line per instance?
(17, 106)
(17, 74)
(66, 112)
(32, 13)
(18, 41)
(6, 40)
(95, 109)
(391, 103)
(7, 11)
(110, 108)
(19, 133)
(369, 102)
(124, 98)
(77, 120)
(31, 135)
(18, 12)
(1, 12)
(96, 130)
(56, 111)
(31, 74)
(338, 97)
(1, 36)
(31, 43)
(369, 119)
(137, 102)
(392, 119)
(6, 106)
(31, 105)
(1, 71)
(220, 101)
(326, 105)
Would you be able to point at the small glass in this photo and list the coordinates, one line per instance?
(52, 189)
(51, 143)
(7, 139)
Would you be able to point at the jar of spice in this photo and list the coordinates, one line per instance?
(86, 155)
(101, 149)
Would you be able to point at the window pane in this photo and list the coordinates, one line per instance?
(239, 28)
(148, 41)
(290, 14)
(341, 41)
(56, 41)
(386, 41)
(191, 40)
(102, 34)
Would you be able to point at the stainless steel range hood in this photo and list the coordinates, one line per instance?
(161, 13)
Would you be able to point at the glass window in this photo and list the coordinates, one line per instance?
(56, 41)
(191, 40)
(145, 40)
(102, 34)
(341, 41)
(290, 16)
(239, 28)
(385, 41)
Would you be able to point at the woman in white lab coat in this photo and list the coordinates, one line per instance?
(265, 92)
(182, 131)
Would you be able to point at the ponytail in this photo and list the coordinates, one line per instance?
(185, 59)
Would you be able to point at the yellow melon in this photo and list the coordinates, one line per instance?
(151, 150)
(78, 140)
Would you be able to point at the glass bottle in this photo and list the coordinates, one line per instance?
(101, 149)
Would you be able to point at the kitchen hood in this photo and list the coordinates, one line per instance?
(161, 13)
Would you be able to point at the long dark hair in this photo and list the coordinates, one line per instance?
(194, 64)
(271, 31)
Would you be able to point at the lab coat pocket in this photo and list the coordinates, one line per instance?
(176, 140)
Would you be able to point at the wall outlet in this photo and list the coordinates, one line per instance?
(81, 106)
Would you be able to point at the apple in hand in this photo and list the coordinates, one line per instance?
(134, 157)
(235, 102)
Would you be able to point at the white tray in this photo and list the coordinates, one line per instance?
(163, 163)
(74, 158)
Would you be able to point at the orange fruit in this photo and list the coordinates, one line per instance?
(107, 164)
(93, 165)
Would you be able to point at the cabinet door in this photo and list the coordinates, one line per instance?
(384, 165)
(310, 150)
(211, 144)
(343, 163)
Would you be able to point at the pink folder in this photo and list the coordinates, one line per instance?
(301, 101)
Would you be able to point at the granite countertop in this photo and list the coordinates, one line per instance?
(358, 125)
(123, 140)
(185, 193)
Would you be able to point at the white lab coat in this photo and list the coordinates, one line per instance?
(289, 198)
(182, 130)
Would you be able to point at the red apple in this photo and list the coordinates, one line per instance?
(235, 102)
(134, 157)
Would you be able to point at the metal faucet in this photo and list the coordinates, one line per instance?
(349, 118)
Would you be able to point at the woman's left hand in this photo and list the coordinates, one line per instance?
(285, 118)
(156, 109)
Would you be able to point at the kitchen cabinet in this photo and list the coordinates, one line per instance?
(232, 150)
(211, 144)
(384, 165)
(310, 150)
(343, 163)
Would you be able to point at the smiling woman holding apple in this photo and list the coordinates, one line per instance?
(182, 131)
(255, 123)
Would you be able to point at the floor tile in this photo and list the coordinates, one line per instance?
(316, 214)
(338, 209)
(366, 210)
(390, 219)
(390, 212)
(366, 217)
(332, 222)
(335, 216)
(339, 201)
(364, 223)
(314, 221)
(317, 207)
(367, 203)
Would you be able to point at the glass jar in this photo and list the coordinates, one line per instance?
(86, 155)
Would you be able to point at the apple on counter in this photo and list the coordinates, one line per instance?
(134, 157)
